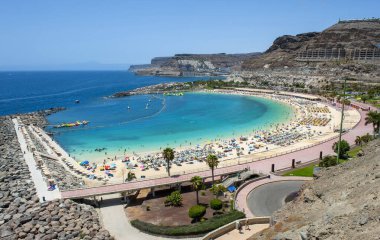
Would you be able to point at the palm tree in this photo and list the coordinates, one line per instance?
(374, 118)
(197, 182)
(168, 155)
(212, 162)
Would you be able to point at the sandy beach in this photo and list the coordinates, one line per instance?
(312, 123)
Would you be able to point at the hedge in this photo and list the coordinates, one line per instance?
(192, 229)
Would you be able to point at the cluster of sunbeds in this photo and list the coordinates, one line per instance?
(315, 121)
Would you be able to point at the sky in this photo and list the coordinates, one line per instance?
(96, 34)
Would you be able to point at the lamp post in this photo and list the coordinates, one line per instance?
(341, 121)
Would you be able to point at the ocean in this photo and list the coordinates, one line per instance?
(137, 123)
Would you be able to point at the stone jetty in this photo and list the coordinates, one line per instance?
(22, 216)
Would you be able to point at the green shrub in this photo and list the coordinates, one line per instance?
(203, 193)
(344, 148)
(216, 204)
(192, 229)
(197, 212)
(328, 161)
(175, 199)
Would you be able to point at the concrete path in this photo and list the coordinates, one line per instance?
(116, 221)
(244, 233)
(37, 177)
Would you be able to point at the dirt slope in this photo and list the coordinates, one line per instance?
(343, 203)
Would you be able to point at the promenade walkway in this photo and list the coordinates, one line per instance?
(149, 183)
(37, 177)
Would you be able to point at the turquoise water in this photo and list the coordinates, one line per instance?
(168, 121)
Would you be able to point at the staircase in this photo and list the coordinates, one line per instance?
(242, 176)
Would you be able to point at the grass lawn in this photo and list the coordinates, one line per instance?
(308, 171)
(302, 172)
(354, 151)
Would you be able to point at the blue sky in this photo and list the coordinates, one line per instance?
(70, 33)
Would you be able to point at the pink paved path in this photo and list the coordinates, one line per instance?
(263, 166)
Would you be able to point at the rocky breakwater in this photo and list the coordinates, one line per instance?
(154, 89)
(22, 216)
(38, 118)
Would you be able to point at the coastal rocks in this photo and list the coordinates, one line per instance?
(193, 65)
(22, 216)
(64, 179)
(154, 89)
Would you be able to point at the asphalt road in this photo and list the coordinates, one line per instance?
(266, 199)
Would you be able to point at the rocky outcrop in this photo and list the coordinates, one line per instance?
(38, 118)
(291, 43)
(22, 216)
(157, 88)
(342, 203)
(193, 64)
(344, 35)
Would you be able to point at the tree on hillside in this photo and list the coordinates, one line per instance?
(344, 148)
(212, 162)
(374, 118)
(168, 155)
(198, 185)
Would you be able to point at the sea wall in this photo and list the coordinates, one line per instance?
(22, 216)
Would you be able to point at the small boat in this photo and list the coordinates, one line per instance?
(74, 124)
(147, 105)
(77, 101)
(129, 107)
(174, 94)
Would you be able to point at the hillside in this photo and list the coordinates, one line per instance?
(344, 35)
(343, 203)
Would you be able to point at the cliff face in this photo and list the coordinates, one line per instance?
(194, 64)
(343, 203)
(345, 35)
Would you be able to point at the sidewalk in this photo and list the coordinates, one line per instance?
(38, 179)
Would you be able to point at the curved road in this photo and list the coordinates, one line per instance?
(268, 198)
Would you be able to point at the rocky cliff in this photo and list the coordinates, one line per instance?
(345, 35)
(193, 64)
(342, 203)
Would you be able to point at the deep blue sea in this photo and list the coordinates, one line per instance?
(137, 123)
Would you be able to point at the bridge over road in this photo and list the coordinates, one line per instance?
(148, 183)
